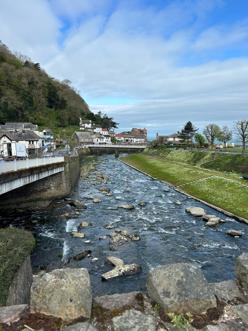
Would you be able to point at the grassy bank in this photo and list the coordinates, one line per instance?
(224, 190)
(15, 246)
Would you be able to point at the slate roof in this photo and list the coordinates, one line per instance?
(25, 135)
(19, 126)
(84, 135)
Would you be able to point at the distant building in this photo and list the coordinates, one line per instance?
(83, 137)
(47, 139)
(86, 125)
(135, 136)
(102, 131)
(170, 139)
(12, 142)
(101, 139)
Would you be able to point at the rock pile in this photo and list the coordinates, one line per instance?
(120, 237)
(174, 291)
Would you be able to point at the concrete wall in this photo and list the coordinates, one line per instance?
(42, 192)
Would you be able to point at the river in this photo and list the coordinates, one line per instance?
(168, 234)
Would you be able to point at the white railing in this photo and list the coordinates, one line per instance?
(16, 165)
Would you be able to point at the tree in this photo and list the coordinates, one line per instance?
(241, 128)
(200, 140)
(188, 132)
(225, 135)
(212, 132)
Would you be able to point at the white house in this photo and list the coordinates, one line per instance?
(46, 139)
(14, 142)
(102, 131)
(171, 139)
(101, 139)
(85, 124)
(130, 139)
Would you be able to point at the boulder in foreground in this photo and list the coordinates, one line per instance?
(227, 291)
(11, 314)
(63, 293)
(180, 288)
(81, 327)
(134, 320)
(242, 271)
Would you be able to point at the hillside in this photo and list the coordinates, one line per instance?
(28, 93)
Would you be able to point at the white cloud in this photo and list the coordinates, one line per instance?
(76, 8)
(30, 28)
(222, 36)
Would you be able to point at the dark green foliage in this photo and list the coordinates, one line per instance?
(15, 246)
(27, 93)
(200, 140)
(229, 163)
(101, 119)
(188, 132)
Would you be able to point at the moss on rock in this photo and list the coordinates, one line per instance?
(15, 246)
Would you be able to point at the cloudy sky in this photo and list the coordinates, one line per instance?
(147, 63)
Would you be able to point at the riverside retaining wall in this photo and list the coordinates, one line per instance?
(41, 193)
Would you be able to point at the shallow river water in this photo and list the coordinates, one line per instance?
(168, 234)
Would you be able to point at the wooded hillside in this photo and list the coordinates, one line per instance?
(28, 93)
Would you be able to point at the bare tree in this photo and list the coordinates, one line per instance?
(241, 128)
(225, 135)
(212, 132)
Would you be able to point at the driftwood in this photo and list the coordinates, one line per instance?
(120, 269)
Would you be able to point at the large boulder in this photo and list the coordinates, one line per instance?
(242, 271)
(134, 320)
(227, 291)
(240, 312)
(11, 314)
(231, 325)
(15, 267)
(180, 288)
(119, 301)
(81, 327)
(63, 293)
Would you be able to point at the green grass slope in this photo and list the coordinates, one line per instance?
(15, 246)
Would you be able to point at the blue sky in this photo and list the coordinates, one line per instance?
(154, 64)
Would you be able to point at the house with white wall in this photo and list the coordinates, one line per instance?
(12, 142)
(86, 125)
(101, 139)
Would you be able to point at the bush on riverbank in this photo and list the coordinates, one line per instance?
(15, 246)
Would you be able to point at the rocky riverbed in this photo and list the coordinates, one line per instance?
(119, 212)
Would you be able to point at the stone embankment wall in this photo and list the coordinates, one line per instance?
(41, 193)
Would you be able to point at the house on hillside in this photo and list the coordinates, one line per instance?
(19, 143)
(86, 125)
(102, 131)
(47, 139)
(170, 139)
(83, 137)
